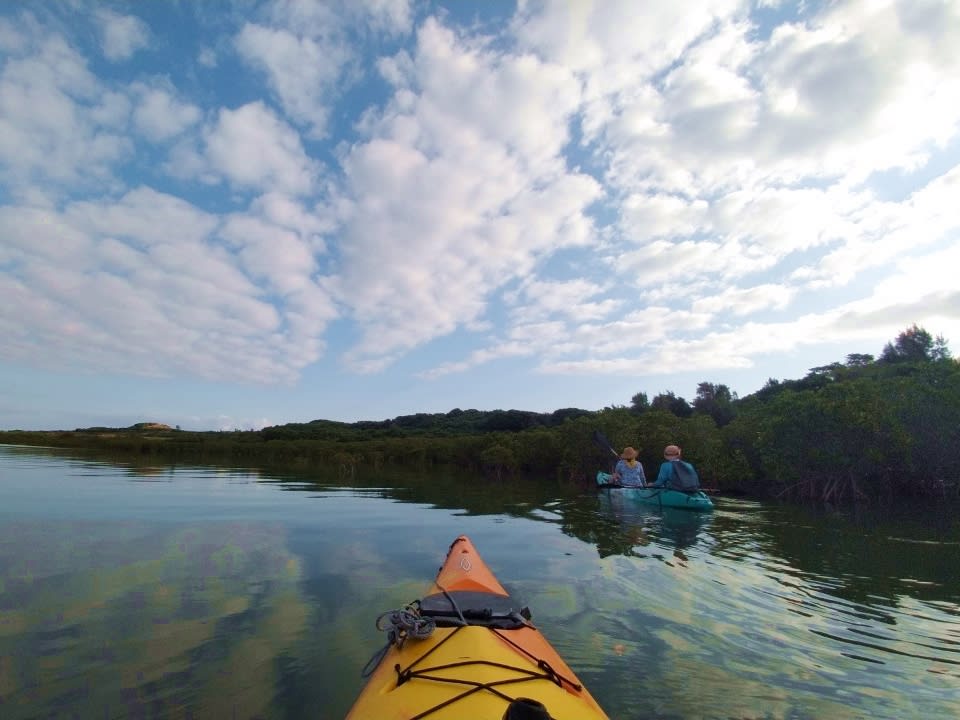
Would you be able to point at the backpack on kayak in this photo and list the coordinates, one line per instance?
(683, 477)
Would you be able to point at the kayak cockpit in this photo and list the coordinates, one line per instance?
(468, 607)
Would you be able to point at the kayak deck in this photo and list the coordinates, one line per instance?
(472, 670)
(663, 497)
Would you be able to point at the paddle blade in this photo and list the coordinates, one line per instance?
(600, 439)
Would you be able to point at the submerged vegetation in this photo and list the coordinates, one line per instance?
(862, 429)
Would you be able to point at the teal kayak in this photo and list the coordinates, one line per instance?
(696, 501)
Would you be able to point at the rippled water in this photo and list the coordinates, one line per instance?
(182, 592)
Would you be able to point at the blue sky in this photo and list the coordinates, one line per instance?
(230, 215)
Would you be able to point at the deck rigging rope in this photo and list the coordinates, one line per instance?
(400, 624)
(544, 672)
(408, 622)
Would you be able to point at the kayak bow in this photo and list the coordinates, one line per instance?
(483, 659)
(664, 497)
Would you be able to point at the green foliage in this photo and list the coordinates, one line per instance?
(639, 403)
(498, 459)
(671, 403)
(915, 345)
(860, 429)
(657, 429)
(859, 359)
(715, 401)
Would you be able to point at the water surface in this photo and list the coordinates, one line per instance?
(184, 592)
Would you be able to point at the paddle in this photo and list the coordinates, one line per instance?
(600, 439)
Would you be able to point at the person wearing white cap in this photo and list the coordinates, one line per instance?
(676, 473)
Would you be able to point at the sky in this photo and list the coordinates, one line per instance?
(233, 215)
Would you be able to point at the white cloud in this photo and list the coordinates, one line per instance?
(301, 70)
(160, 115)
(12, 40)
(605, 190)
(498, 351)
(143, 215)
(452, 201)
(308, 51)
(280, 243)
(322, 19)
(855, 89)
(207, 58)
(922, 290)
(734, 235)
(573, 299)
(121, 35)
(700, 211)
(459, 80)
(58, 125)
(625, 345)
(592, 35)
(737, 158)
(270, 253)
(142, 286)
(615, 46)
(746, 301)
(389, 16)
(881, 232)
(253, 148)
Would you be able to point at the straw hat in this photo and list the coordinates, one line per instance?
(671, 451)
(628, 453)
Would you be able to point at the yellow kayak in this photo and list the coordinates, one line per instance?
(467, 651)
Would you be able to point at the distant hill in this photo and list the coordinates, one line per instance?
(136, 427)
(455, 422)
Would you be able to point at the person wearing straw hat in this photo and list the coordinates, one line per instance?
(629, 471)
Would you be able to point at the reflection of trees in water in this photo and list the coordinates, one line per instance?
(115, 619)
(473, 494)
(870, 556)
(618, 525)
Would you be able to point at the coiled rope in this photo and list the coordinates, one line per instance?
(400, 624)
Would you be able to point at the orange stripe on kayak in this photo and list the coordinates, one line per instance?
(464, 569)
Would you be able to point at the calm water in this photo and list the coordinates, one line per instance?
(184, 592)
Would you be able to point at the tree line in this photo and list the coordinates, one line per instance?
(864, 428)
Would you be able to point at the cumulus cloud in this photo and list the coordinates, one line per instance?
(830, 96)
(143, 286)
(878, 233)
(576, 299)
(307, 51)
(394, 17)
(253, 148)
(452, 201)
(250, 148)
(58, 124)
(121, 35)
(277, 243)
(735, 157)
(746, 301)
(664, 341)
(160, 115)
(716, 183)
(301, 70)
(615, 48)
(595, 189)
(207, 58)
